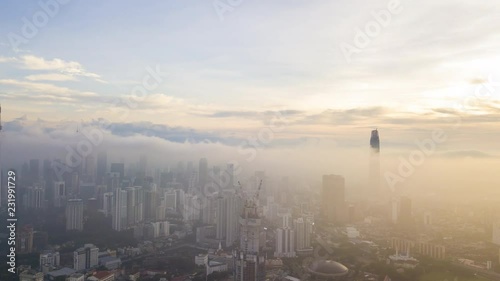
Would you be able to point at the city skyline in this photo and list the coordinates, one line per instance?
(234, 140)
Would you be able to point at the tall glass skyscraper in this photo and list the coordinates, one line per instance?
(374, 181)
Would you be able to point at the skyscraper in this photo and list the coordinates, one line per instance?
(59, 193)
(249, 259)
(107, 203)
(303, 233)
(285, 243)
(119, 212)
(203, 173)
(374, 181)
(333, 205)
(35, 197)
(74, 214)
(135, 205)
(375, 141)
(228, 208)
(102, 167)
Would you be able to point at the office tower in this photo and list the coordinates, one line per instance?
(151, 203)
(203, 173)
(135, 205)
(59, 193)
(85, 257)
(107, 203)
(119, 213)
(47, 172)
(118, 168)
(333, 204)
(35, 197)
(496, 233)
(405, 219)
(221, 215)
(74, 214)
(303, 233)
(102, 167)
(49, 259)
(285, 243)
(374, 184)
(249, 259)
(227, 210)
(180, 194)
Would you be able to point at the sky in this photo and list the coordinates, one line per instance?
(221, 71)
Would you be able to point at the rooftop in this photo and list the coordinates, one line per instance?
(327, 268)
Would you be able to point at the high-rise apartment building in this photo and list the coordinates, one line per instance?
(285, 243)
(74, 214)
(59, 193)
(303, 234)
(85, 257)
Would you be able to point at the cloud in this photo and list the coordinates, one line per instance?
(45, 93)
(335, 117)
(467, 154)
(66, 69)
(50, 77)
(6, 59)
(173, 134)
(246, 114)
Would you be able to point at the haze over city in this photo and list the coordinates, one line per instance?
(373, 114)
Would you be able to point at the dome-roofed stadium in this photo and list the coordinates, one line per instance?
(327, 269)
